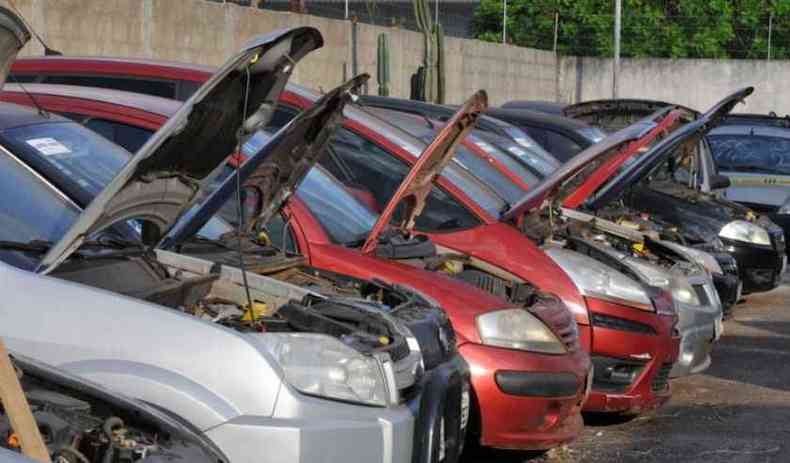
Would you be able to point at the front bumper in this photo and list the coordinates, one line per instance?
(759, 267)
(542, 405)
(307, 429)
(699, 327)
(442, 413)
(633, 352)
(728, 284)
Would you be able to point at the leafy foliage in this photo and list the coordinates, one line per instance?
(650, 28)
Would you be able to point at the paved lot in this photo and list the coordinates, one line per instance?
(737, 411)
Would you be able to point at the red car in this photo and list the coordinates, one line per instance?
(633, 348)
(522, 399)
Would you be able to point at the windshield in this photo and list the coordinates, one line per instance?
(345, 219)
(488, 174)
(751, 153)
(30, 210)
(80, 155)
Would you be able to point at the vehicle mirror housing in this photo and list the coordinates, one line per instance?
(717, 182)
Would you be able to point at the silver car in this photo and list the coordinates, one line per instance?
(335, 392)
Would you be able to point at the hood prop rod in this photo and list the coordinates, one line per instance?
(239, 206)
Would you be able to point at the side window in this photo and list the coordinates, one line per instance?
(362, 165)
(281, 236)
(282, 116)
(156, 87)
(561, 146)
(127, 136)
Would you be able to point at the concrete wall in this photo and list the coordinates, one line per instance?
(697, 83)
(207, 32)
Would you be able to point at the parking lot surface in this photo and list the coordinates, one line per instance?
(737, 411)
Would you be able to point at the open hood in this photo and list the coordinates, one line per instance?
(277, 164)
(613, 115)
(415, 188)
(575, 174)
(645, 164)
(166, 175)
(13, 36)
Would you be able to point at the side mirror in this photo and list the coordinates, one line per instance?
(718, 182)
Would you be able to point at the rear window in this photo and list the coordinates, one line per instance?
(751, 153)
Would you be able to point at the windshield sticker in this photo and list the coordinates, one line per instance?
(48, 146)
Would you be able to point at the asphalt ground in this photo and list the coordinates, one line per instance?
(737, 411)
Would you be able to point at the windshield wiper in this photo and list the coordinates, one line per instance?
(123, 248)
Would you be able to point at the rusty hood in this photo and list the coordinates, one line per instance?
(413, 191)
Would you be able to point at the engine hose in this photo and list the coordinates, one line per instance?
(76, 453)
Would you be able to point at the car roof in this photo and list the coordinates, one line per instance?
(548, 107)
(152, 104)
(14, 115)
(536, 117)
(21, 63)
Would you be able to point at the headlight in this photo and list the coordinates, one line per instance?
(678, 285)
(320, 365)
(706, 260)
(741, 230)
(517, 329)
(597, 280)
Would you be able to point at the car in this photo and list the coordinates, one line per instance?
(700, 317)
(171, 330)
(366, 138)
(613, 115)
(752, 151)
(561, 136)
(83, 421)
(461, 218)
(663, 185)
(305, 213)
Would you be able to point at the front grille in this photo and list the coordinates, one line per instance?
(702, 294)
(661, 381)
(615, 375)
(614, 323)
(399, 351)
(556, 315)
(778, 239)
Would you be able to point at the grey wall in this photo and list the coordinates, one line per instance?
(207, 32)
(697, 83)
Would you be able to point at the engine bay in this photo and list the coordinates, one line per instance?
(291, 298)
(79, 427)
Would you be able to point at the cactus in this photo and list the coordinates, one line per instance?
(383, 65)
(441, 71)
(433, 81)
